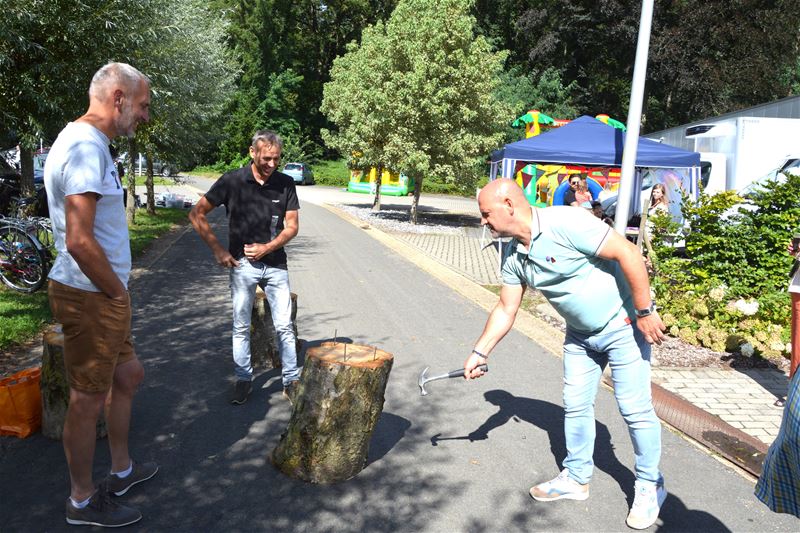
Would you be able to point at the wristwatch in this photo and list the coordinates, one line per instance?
(646, 312)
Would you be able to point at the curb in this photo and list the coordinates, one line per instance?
(713, 434)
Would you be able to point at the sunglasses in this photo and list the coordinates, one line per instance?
(574, 182)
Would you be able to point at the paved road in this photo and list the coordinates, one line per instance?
(460, 459)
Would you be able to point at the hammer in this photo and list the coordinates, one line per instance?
(458, 373)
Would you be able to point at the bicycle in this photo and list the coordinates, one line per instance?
(24, 261)
(27, 249)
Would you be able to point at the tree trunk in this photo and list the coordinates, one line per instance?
(415, 203)
(26, 169)
(131, 201)
(55, 387)
(339, 401)
(151, 196)
(263, 340)
(376, 202)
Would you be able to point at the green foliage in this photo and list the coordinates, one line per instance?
(334, 173)
(733, 278)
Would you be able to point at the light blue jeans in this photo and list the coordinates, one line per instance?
(275, 283)
(585, 356)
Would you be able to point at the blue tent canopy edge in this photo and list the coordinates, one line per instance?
(587, 141)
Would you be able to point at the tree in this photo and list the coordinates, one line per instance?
(734, 54)
(286, 49)
(191, 74)
(45, 70)
(357, 100)
(419, 95)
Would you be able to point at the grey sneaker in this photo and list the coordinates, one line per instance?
(141, 472)
(102, 511)
(290, 391)
(241, 390)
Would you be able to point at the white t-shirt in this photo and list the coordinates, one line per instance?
(794, 284)
(80, 162)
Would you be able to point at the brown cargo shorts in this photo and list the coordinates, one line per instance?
(97, 335)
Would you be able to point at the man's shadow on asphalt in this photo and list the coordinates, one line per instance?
(550, 418)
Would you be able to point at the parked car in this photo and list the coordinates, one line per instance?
(299, 172)
(10, 189)
(160, 168)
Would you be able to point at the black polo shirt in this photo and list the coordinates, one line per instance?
(255, 212)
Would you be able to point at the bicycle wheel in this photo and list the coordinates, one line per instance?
(45, 236)
(22, 263)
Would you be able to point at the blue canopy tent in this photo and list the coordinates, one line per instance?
(587, 141)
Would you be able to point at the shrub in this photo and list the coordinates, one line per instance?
(730, 287)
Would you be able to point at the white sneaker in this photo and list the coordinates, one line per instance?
(562, 487)
(646, 504)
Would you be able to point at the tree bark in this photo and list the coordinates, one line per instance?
(376, 202)
(337, 406)
(130, 209)
(26, 170)
(55, 387)
(151, 195)
(415, 203)
(264, 350)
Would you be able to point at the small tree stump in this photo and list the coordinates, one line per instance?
(335, 412)
(55, 386)
(264, 351)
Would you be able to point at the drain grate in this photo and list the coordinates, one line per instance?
(742, 449)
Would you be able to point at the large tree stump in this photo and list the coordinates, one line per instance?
(55, 387)
(264, 351)
(339, 401)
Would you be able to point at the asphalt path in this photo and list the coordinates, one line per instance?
(460, 459)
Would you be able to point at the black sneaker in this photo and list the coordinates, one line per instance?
(290, 391)
(102, 511)
(141, 472)
(241, 390)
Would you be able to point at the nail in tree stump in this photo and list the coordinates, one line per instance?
(263, 340)
(55, 387)
(335, 412)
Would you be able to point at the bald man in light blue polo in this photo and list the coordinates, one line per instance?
(597, 281)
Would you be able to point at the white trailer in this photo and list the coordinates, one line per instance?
(735, 152)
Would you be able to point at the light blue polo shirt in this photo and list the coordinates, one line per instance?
(562, 263)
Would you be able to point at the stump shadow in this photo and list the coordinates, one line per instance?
(550, 418)
(389, 430)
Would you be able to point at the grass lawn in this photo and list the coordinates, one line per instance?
(22, 316)
(157, 180)
(203, 172)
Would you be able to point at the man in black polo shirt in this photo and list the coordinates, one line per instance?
(263, 216)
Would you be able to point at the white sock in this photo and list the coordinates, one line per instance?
(125, 473)
(80, 505)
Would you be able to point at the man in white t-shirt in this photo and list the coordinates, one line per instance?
(89, 292)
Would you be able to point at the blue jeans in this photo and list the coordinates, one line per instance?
(585, 356)
(275, 283)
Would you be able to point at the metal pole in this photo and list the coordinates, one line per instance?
(626, 181)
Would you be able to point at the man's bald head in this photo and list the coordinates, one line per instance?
(504, 208)
(503, 188)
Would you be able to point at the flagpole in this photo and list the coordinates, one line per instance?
(627, 178)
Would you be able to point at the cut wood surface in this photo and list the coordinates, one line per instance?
(338, 404)
(55, 386)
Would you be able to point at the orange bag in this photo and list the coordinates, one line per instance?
(21, 403)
